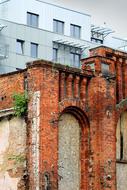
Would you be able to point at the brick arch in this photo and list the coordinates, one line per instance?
(84, 142)
(78, 113)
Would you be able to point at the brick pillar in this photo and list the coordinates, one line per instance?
(125, 78)
(69, 92)
(76, 87)
(43, 88)
(62, 86)
(49, 130)
(34, 78)
(101, 98)
(83, 89)
(119, 89)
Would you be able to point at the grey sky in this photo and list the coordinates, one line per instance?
(112, 12)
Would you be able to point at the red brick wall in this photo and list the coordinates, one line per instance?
(91, 98)
(10, 84)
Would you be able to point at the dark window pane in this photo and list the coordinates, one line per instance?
(72, 30)
(32, 19)
(75, 59)
(28, 19)
(34, 50)
(58, 26)
(54, 26)
(55, 54)
(19, 46)
(72, 58)
(75, 31)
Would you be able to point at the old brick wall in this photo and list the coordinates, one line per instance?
(95, 96)
(13, 151)
(57, 88)
(10, 83)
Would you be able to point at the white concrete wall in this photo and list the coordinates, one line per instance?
(16, 11)
(43, 38)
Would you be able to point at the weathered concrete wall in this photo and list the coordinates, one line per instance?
(121, 176)
(122, 131)
(121, 153)
(69, 153)
(12, 153)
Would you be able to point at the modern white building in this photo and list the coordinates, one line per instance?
(33, 29)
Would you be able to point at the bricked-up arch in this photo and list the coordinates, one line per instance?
(121, 152)
(69, 153)
(73, 150)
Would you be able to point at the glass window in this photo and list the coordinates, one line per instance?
(32, 19)
(75, 59)
(20, 46)
(55, 54)
(75, 31)
(34, 50)
(99, 41)
(58, 26)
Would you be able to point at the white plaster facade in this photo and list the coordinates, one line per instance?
(13, 15)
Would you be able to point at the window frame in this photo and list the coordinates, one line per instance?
(97, 40)
(21, 42)
(30, 17)
(55, 52)
(31, 54)
(73, 33)
(56, 26)
(73, 61)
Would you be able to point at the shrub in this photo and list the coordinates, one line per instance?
(20, 102)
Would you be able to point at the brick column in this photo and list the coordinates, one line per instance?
(119, 89)
(125, 78)
(62, 86)
(83, 89)
(69, 93)
(76, 87)
(43, 88)
(101, 100)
